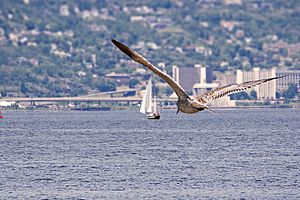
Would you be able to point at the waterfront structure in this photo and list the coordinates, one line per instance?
(291, 77)
(265, 91)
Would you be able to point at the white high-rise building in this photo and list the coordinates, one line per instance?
(291, 77)
(264, 91)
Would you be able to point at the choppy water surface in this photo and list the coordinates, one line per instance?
(122, 155)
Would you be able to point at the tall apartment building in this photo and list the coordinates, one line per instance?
(264, 91)
(226, 78)
(187, 77)
(292, 77)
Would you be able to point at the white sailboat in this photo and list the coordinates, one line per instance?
(149, 106)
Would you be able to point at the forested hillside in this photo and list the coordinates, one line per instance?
(63, 48)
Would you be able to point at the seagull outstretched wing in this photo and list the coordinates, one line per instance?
(140, 59)
(230, 89)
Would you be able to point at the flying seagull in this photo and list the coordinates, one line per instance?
(185, 103)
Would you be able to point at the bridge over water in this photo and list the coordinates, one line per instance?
(125, 95)
(81, 99)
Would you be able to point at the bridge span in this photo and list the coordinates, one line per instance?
(81, 99)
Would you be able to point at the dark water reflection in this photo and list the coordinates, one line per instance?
(122, 155)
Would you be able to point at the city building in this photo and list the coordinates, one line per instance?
(291, 77)
(187, 77)
(205, 82)
(265, 91)
(226, 78)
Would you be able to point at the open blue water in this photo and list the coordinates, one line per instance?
(237, 154)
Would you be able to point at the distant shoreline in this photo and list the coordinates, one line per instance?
(114, 108)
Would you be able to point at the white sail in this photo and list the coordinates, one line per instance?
(146, 106)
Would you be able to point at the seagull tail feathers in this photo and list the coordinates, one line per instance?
(209, 109)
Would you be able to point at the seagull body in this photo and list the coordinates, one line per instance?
(185, 103)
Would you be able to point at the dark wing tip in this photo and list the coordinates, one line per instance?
(123, 48)
(118, 44)
(114, 41)
(277, 77)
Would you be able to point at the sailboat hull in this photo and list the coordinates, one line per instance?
(153, 116)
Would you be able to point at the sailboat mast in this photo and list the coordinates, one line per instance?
(154, 105)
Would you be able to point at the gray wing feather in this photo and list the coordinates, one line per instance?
(140, 59)
(230, 89)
